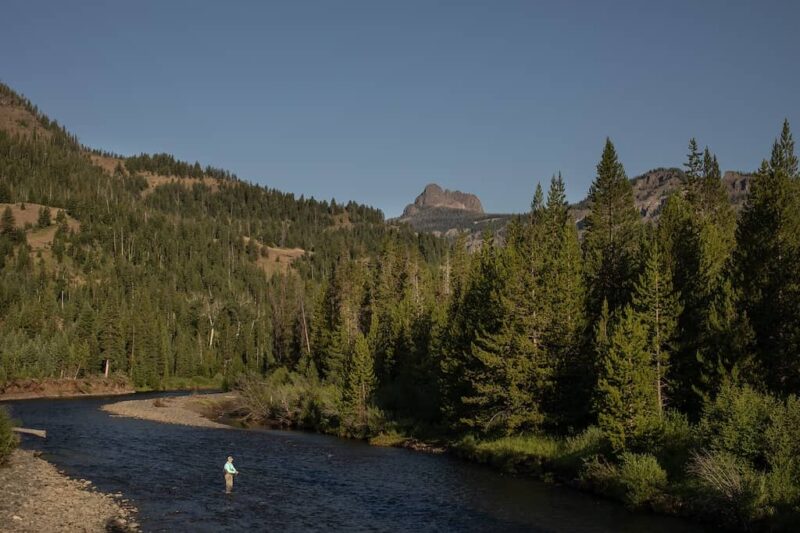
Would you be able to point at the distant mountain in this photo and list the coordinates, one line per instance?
(651, 190)
(434, 196)
(448, 213)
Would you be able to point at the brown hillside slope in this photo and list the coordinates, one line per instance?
(17, 119)
(110, 164)
(25, 217)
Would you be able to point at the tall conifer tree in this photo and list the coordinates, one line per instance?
(767, 265)
(657, 303)
(625, 398)
(610, 245)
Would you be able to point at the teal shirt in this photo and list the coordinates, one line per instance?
(230, 469)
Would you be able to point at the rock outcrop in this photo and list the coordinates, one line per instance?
(435, 197)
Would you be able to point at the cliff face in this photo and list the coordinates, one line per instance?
(435, 197)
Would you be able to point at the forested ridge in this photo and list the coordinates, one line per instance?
(655, 362)
(166, 282)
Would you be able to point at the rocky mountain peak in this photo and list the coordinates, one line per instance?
(434, 196)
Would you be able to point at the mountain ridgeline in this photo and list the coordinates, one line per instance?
(447, 213)
(654, 359)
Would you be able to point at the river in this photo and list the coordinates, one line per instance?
(296, 481)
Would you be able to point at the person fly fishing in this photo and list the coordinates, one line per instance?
(230, 471)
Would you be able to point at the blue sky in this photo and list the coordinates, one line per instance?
(372, 100)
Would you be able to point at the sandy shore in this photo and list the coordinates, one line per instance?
(195, 410)
(36, 497)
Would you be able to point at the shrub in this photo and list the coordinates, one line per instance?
(728, 488)
(578, 448)
(783, 454)
(641, 478)
(736, 421)
(290, 399)
(522, 454)
(600, 474)
(8, 440)
(671, 439)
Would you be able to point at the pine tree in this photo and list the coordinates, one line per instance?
(360, 382)
(610, 245)
(729, 337)
(110, 338)
(537, 204)
(44, 219)
(511, 373)
(610, 248)
(694, 164)
(657, 303)
(475, 309)
(625, 398)
(7, 223)
(767, 265)
(696, 233)
(563, 295)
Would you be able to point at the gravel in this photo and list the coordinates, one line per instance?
(182, 410)
(36, 497)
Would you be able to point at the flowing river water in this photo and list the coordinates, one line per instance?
(296, 481)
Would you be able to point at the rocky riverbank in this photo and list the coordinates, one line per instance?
(36, 497)
(195, 410)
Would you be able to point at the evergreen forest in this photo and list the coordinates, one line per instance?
(657, 363)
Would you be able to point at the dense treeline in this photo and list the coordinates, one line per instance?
(167, 165)
(657, 362)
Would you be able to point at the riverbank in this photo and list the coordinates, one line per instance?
(29, 389)
(36, 497)
(207, 409)
(193, 410)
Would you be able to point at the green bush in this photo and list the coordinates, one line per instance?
(641, 479)
(671, 439)
(728, 488)
(576, 449)
(290, 399)
(8, 440)
(637, 480)
(736, 422)
(783, 455)
(523, 454)
(600, 475)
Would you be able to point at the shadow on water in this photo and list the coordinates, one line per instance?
(294, 481)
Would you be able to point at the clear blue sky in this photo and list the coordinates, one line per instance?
(372, 100)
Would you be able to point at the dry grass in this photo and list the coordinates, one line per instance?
(156, 180)
(38, 238)
(341, 221)
(278, 260)
(18, 121)
(109, 166)
(107, 163)
(272, 259)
